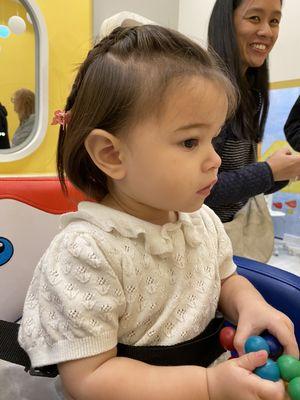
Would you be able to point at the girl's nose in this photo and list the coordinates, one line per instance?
(218, 160)
(213, 160)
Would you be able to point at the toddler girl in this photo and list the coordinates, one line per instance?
(124, 299)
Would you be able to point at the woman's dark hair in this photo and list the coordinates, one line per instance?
(250, 118)
(123, 79)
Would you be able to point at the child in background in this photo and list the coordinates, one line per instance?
(147, 265)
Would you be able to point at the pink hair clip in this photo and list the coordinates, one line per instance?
(61, 117)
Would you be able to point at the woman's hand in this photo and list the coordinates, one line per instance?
(284, 165)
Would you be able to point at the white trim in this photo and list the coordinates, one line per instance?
(41, 57)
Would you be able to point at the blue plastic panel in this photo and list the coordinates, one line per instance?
(279, 288)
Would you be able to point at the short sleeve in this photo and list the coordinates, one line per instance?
(224, 248)
(74, 302)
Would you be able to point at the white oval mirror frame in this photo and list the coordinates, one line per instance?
(41, 78)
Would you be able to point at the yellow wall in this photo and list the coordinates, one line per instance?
(285, 84)
(69, 26)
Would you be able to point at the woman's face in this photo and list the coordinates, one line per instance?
(256, 24)
(15, 101)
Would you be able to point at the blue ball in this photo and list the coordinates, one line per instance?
(269, 371)
(256, 343)
(276, 348)
(234, 354)
(4, 31)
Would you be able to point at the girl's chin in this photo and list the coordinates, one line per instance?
(193, 208)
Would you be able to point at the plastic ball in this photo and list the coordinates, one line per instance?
(269, 371)
(289, 367)
(4, 31)
(256, 343)
(226, 337)
(17, 25)
(234, 354)
(294, 388)
(276, 348)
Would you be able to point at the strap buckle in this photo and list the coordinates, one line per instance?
(49, 371)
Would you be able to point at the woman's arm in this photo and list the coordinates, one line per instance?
(241, 184)
(238, 180)
(256, 178)
(107, 377)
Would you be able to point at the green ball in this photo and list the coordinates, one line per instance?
(294, 388)
(289, 367)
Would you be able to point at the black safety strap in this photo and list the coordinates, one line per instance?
(202, 350)
(11, 351)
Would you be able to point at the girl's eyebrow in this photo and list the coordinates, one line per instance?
(189, 126)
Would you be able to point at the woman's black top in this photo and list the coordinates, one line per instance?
(4, 140)
(292, 126)
(240, 176)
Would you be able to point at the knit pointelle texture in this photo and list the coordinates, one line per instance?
(109, 277)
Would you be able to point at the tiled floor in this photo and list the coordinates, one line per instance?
(284, 260)
(15, 384)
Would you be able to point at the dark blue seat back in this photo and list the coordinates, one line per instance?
(280, 288)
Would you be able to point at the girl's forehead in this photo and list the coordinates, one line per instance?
(191, 96)
(191, 86)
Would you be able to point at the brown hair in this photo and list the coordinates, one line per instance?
(123, 79)
(25, 100)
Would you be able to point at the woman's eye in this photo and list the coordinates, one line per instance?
(275, 22)
(255, 18)
(190, 143)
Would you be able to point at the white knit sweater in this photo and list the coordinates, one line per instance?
(109, 277)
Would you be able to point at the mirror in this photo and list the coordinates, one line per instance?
(24, 79)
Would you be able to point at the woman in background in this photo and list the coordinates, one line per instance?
(24, 106)
(242, 33)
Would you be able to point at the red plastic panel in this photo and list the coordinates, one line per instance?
(43, 193)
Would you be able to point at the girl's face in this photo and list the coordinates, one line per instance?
(256, 25)
(169, 160)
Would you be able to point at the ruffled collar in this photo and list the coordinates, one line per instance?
(158, 238)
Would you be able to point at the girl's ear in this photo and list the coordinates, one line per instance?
(104, 149)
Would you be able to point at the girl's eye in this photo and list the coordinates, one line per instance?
(190, 143)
